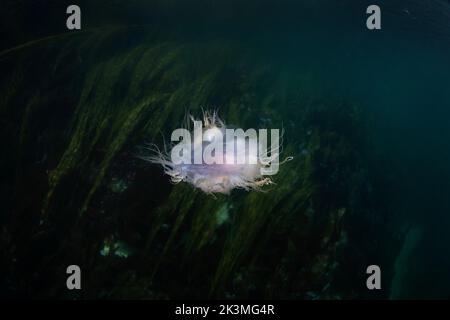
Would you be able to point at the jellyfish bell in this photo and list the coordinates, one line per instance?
(216, 159)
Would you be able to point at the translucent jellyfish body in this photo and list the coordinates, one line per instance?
(217, 159)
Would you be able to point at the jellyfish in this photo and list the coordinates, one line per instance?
(217, 159)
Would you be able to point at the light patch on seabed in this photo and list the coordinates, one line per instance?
(118, 248)
(412, 238)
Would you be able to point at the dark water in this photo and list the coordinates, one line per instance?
(366, 117)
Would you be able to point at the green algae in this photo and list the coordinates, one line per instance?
(134, 95)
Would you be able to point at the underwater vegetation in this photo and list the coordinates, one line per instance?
(85, 196)
(78, 109)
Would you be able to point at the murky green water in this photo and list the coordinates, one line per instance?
(365, 115)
